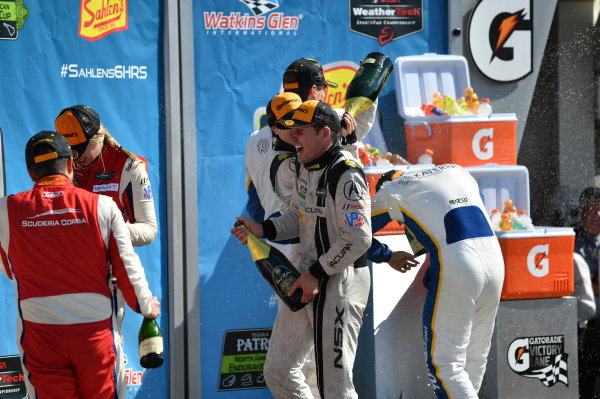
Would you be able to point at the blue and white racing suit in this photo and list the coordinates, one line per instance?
(443, 208)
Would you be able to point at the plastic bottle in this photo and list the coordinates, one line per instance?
(451, 107)
(438, 101)
(472, 100)
(462, 105)
(426, 158)
(496, 219)
(506, 223)
(524, 220)
(484, 107)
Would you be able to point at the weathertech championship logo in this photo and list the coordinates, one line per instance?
(98, 18)
(386, 20)
(501, 39)
(237, 23)
(543, 358)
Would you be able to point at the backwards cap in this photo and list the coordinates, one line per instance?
(304, 73)
(44, 146)
(311, 113)
(281, 106)
(78, 124)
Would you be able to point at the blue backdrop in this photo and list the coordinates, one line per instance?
(240, 55)
(77, 53)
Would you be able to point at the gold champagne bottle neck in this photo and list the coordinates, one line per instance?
(258, 249)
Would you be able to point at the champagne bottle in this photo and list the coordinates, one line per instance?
(276, 269)
(417, 248)
(151, 344)
(365, 86)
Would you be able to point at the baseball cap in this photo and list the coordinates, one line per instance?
(305, 72)
(281, 106)
(78, 124)
(310, 113)
(36, 150)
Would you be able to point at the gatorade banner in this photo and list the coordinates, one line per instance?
(242, 48)
(104, 54)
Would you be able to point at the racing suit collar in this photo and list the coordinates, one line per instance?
(329, 156)
(281, 145)
(57, 179)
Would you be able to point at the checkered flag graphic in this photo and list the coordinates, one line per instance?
(553, 373)
(259, 7)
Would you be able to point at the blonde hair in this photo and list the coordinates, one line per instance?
(111, 141)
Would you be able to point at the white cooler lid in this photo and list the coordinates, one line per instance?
(417, 77)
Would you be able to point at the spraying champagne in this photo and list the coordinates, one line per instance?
(276, 269)
(365, 86)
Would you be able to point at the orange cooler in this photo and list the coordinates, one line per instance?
(466, 140)
(538, 263)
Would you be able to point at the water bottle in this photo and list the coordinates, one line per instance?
(524, 220)
(426, 158)
(484, 107)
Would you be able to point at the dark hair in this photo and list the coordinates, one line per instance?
(589, 194)
(302, 92)
(51, 167)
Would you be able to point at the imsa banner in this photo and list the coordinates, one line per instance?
(101, 53)
(242, 48)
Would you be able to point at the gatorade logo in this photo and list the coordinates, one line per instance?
(538, 263)
(501, 39)
(518, 355)
(483, 145)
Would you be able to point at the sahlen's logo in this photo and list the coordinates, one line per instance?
(542, 357)
(13, 14)
(98, 18)
(501, 39)
(386, 20)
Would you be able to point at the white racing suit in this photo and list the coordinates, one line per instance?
(333, 224)
(443, 208)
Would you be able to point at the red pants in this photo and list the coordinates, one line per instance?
(69, 361)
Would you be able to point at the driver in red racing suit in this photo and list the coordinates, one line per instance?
(56, 242)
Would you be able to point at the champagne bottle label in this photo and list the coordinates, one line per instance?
(151, 345)
(356, 105)
(282, 278)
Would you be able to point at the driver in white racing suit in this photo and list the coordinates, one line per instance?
(442, 207)
(332, 218)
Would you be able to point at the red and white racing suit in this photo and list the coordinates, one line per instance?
(127, 183)
(56, 242)
(443, 208)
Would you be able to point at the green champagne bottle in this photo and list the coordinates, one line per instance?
(365, 86)
(151, 344)
(276, 269)
(415, 245)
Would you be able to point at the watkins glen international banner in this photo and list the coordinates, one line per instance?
(104, 54)
(242, 48)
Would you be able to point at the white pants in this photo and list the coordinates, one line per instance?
(329, 325)
(464, 283)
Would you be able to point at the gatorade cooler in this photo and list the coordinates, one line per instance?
(373, 173)
(498, 183)
(466, 140)
(538, 264)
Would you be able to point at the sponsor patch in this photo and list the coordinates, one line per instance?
(100, 188)
(105, 175)
(52, 194)
(354, 219)
(148, 192)
(541, 357)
